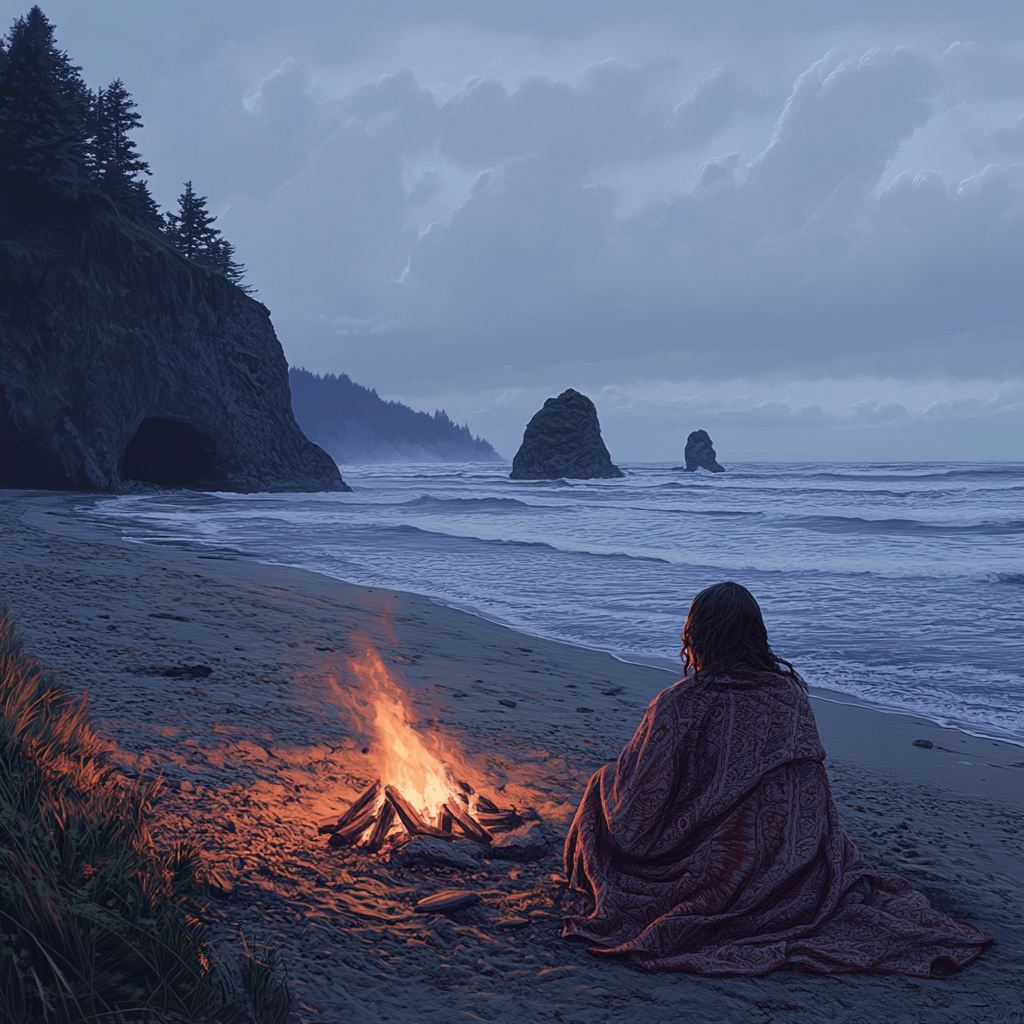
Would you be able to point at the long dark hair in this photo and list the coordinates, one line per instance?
(725, 632)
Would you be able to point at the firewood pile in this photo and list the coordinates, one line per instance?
(370, 819)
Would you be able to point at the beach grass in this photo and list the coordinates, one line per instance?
(96, 923)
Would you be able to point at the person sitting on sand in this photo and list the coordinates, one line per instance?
(712, 845)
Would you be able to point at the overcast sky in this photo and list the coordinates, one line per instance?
(798, 225)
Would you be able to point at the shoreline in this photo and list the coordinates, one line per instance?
(882, 734)
(255, 748)
(821, 693)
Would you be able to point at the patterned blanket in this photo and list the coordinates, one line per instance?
(713, 845)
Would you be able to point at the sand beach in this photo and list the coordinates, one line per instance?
(270, 740)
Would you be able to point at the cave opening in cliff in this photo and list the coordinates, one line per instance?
(169, 452)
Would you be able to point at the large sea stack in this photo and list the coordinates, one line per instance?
(122, 361)
(700, 454)
(564, 440)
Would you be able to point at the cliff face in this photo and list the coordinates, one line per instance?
(564, 440)
(121, 361)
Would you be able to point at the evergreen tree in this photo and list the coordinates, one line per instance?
(44, 109)
(116, 167)
(190, 229)
(192, 233)
(115, 160)
(58, 137)
(222, 256)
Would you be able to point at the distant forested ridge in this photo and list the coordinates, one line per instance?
(354, 424)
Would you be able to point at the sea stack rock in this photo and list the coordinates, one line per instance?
(564, 440)
(700, 454)
(122, 363)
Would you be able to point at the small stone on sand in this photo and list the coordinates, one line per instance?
(527, 843)
(447, 901)
(925, 744)
(426, 851)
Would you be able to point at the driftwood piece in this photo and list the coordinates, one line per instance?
(380, 831)
(509, 924)
(408, 815)
(347, 835)
(473, 829)
(446, 901)
(485, 805)
(365, 799)
(445, 821)
(503, 821)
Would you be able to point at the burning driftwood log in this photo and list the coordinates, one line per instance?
(413, 823)
(385, 820)
(367, 799)
(348, 834)
(494, 818)
(355, 821)
(369, 810)
(466, 823)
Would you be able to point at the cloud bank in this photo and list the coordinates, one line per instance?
(484, 219)
(440, 200)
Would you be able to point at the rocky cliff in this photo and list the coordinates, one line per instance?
(122, 361)
(564, 440)
(700, 454)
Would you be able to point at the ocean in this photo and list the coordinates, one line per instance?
(900, 586)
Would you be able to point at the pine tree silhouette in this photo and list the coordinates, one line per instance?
(192, 233)
(115, 165)
(44, 108)
(223, 257)
(59, 139)
(190, 228)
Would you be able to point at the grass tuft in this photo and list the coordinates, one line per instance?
(96, 924)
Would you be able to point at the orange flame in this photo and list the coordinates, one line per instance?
(403, 759)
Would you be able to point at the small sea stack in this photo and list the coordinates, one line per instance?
(564, 440)
(700, 453)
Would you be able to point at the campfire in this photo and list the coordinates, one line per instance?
(416, 792)
(380, 810)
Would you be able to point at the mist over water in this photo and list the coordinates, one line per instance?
(901, 585)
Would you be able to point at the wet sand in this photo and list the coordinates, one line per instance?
(261, 747)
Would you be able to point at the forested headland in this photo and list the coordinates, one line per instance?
(354, 424)
(130, 353)
(72, 178)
